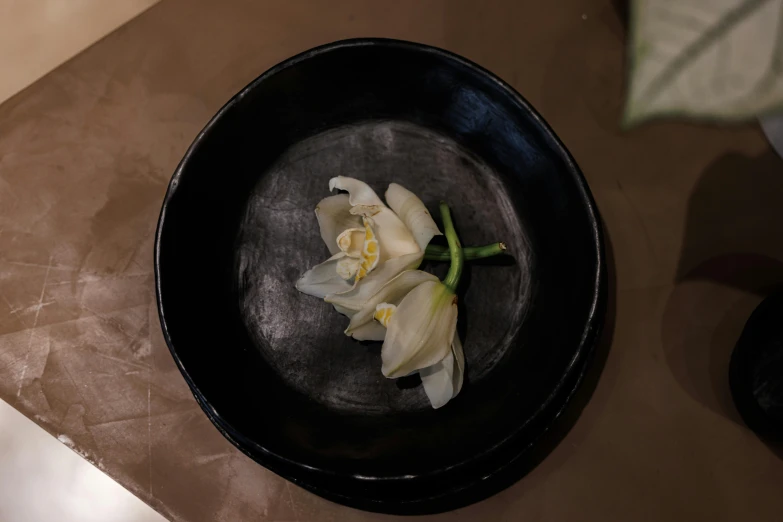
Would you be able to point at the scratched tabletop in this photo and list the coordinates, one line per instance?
(692, 214)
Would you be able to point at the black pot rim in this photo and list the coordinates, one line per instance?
(563, 391)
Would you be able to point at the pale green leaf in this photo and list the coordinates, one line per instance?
(712, 59)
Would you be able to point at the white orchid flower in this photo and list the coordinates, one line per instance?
(442, 380)
(422, 337)
(419, 314)
(420, 330)
(370, 243)
(372, 278)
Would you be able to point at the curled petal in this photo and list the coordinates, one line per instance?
(443, 381)
(413, 214)
(334, 217)
(359, 192)
(323, 279)
(392, 293)
(394, 237)
(355, 298)
(421, 330)
(351, 241)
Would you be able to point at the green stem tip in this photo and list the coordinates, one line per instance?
(441, 253)
(455, 249)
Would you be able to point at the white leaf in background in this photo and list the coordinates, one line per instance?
(715, 59)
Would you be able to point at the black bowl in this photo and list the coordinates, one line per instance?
(272, 368)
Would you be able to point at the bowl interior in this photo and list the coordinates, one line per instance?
(238, 229)
(301, 337)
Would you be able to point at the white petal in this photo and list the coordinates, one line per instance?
(323, 279)
(443, 381)
(438, 381)
(359, 192)
(421, 331)
(392, 292)
(347, 267)
(395, 238)
(334, 217)
(344, 311)
(366, 210)
(413, 214)
(355, 298)
(351, 241)
(372, 331)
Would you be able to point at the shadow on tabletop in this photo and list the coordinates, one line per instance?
(729, 261)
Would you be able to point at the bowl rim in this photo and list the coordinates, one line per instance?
(593, 322)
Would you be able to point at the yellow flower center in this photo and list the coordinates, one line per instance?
(384, 313)
(362, 249)
(370, 250)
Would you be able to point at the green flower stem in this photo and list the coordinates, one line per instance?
(441, 253)
(455, 249)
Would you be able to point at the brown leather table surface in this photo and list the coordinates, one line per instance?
(692, 211)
